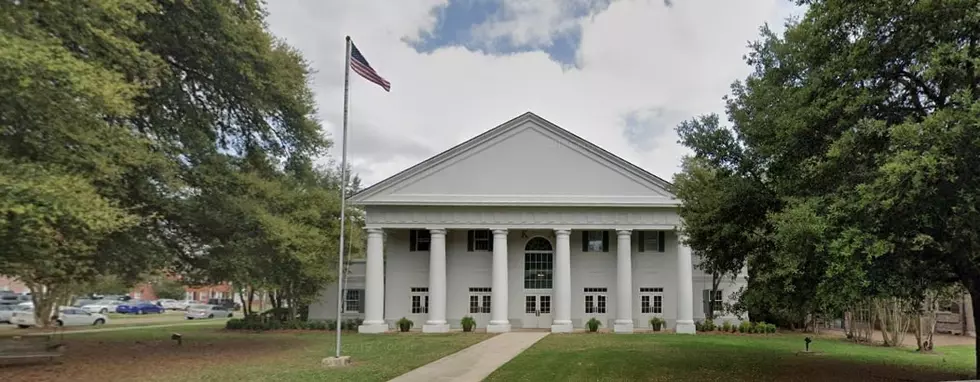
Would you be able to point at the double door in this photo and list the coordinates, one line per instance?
(537, 310)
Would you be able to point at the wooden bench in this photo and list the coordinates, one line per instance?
(29, 347)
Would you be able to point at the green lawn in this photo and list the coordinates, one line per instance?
(668, 357)
(212, 354)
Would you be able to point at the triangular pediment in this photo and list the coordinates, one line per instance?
(525, 161)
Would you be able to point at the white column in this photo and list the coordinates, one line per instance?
(499, 322)
(437, 283)
(563, 283)
(624, 282)
(685, 289)
(374, 284)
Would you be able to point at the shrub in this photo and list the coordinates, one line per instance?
(761, 327)
(698, 327)
(351, 324)
(468, 323)
(726, 326)
(316, 325)
(657, 323)
(405, 324)
(708, 325)
(235, 324)
(734, 328)
(770, 328)
(593, 324)
(745, 327)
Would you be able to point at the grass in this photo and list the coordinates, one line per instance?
(667, 357)
(213, 354)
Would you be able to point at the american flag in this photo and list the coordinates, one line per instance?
(362, 67)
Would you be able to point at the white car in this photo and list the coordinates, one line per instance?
(171, 304)
(102, 307)
(7, 311)
(66, 316)
(206, 311)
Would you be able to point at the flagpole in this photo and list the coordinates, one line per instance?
(343, 195)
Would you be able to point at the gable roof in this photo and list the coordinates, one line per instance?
(502, 131)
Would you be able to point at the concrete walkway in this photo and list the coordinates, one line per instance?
(475, 362)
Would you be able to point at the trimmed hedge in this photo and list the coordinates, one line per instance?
(257, 324)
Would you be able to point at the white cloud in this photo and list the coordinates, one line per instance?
(636, 55)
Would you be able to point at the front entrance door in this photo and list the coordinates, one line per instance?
(537, 310)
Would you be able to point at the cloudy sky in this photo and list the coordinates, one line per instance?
(620, 73)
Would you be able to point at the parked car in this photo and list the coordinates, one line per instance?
(225, 302)
(168, 303)
(138, 307)
(13, 298)
(102, 307)
(207, 311)
(66, 316)
(184, 304)
(7, 312)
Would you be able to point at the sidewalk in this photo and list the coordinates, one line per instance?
(475, 362)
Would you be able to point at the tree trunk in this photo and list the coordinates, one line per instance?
(715, 281)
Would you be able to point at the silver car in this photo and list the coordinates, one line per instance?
(202, 311)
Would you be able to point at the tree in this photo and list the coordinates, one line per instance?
(165, 287)
(862, 120)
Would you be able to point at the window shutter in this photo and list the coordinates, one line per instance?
(706, 301)
(470, 238)
(412, 240)
(605, 241)
(490, 235)
(660, 241)
(642, 239)
(585, 241)
(360, 302)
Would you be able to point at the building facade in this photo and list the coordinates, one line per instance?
(524, 226)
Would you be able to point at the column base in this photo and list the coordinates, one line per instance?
(435, 328)
(562, 327)
(498, 328)
(374, 328)
(623, 327)
(684, 327)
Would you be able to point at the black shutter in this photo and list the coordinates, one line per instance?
(660, 241)
(585, 241)
(470, 238)
(490, 236)
(412, 240)
(641, 248)
(360, 302)
(605, 241)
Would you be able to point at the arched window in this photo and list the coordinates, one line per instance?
(538, 264)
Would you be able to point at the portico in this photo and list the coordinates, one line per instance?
(524, 226)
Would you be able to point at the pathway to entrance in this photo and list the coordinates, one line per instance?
(475, 362)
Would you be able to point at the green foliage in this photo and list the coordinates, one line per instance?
(745, 327)
(726, 326)
(168, 288)
(698, 327)
(405, 324)
(468, 323)
(657, 323)
(593, 324)
(254, 323)
(707, 325)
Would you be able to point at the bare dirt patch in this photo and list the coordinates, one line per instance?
(114, 360)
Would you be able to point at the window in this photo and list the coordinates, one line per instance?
(419, 240)
(538, 264)
(950, 306)
(352, 301)
(595, 300)
(712, 300)
(652, 300)
(479, 240)
(420, 300)
(479, 300)
(652, 241)
(595, 241)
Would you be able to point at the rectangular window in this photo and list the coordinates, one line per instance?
(479, 300)
(479, 240)
(418, 240)
(712, 302)
(652, 300)
(420, 300)
(595, 241)
(352, 301)
(595, 300)
(651, 241)
(538, 270)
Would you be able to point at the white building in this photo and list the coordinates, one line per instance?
(524, 226)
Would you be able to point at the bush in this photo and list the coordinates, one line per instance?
(405, 324)
(235, 324)
(593, 324)
(745, 327)
(350, 324)
(708, 325)
(761, 327)
(770, 328)
(468, 323)
(657, 323)
(726, 326)
(256, 323)
(698, 327)
(316, 325)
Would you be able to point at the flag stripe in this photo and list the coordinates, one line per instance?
(363, 68)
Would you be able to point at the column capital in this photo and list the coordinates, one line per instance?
(624, 232)
(499, 231)
(374, 230)
(437, 231)
(563, 231)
